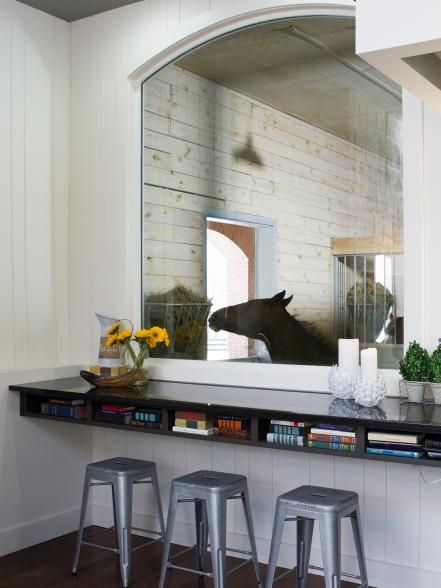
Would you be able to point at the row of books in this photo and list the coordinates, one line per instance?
(192, 422)
(232, 427)
(333, 437)
(395, 444)
(287, 432)
(129, 415)
(72, 409)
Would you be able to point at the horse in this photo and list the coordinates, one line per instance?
(287, 339)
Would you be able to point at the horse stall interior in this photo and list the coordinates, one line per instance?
(281, 130)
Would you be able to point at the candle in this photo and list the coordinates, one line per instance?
(368, 363)
(348, 350)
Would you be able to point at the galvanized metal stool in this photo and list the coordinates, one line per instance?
(328, 506)
(121, 473)
(209, 491)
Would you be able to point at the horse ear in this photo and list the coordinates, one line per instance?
(287, 301)
(278, 297)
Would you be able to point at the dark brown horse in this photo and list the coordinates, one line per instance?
(266, 319)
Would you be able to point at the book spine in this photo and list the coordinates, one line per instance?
(289, 423)
(394, 452)
(294, 440)
(339, 433)
(193, 424)
(189, 415)
(231, 433)
(192, 431)
(395, 438)
(334, 446)
(232, 422)
(286, 430)
(331, 438)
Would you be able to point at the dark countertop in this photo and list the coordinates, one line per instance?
(391, 413)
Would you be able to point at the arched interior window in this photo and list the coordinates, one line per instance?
(282, 122)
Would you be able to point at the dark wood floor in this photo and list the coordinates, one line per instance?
(48, 565)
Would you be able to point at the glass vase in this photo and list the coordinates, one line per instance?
(137, 362)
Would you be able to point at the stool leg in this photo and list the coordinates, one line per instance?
(276, 539)
(115, 522)
(86, 489)
(123, 501)
(155, 485)
(200, 511)
(173, 503)
(330, 540)
(358, 540)
(217, 524)
(249, 521)
(305, 528)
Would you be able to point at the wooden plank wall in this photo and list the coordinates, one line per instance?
(314, 185)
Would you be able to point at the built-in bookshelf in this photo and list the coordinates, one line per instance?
(272, 429)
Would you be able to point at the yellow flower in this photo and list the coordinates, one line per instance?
(111, 340)
(142, 334)
(113, 329)
(124, 334)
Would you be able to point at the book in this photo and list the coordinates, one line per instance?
(63, 410)
(232, 422)
(147, 415)
(145, 424)
(434, 454)
(289, 423)
(285, 439)
(67, 402)
(331, 438)
(191, 415)
(116, 408)
(176, 429)
(232, 433)
(114, 418)
(286, 430)
(334, 427)
(394, 452)
(395, 445)
(333, 446)
(189, 424)
(335, 432)
(433, 443)
(397, 437)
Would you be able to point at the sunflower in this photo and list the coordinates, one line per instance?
(142, 334)
(111, 340)
(113, 329)
(123, 335)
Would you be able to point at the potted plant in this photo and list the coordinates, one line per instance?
(435, 383)
(415, 368)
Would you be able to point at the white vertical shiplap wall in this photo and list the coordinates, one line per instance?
(34, 151)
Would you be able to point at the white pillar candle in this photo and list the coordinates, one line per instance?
(348, 351)
(368, 363)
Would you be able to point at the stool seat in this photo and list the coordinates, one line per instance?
(319, 499)
(206, 481)
(120, 466)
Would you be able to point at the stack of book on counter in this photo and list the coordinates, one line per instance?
(72, 409)
(287, 432)
(233, 427)
(150, 418)
(433, 446)
(331, 436)
(117, 415)
(395, 444)
(195, 423)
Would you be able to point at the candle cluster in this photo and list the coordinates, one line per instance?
(356, 375)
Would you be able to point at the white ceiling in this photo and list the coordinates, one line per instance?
(307, 67)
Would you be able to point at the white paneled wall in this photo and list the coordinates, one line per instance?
(34, 192)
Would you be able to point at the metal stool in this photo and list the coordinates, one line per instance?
(121, 473)
(209, 491)
(327, 505)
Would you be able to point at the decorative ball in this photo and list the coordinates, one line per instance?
(342, 382)
(349, 408)
(369, 392)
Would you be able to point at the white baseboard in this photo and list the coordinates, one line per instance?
(33, 532)
(381, 574)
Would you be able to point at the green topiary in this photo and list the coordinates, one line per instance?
(416, 364)
(436, 365)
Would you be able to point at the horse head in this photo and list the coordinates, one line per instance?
(249, 318)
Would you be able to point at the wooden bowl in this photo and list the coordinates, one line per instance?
(122, 381)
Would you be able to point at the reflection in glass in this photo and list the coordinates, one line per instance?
(283, 123)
